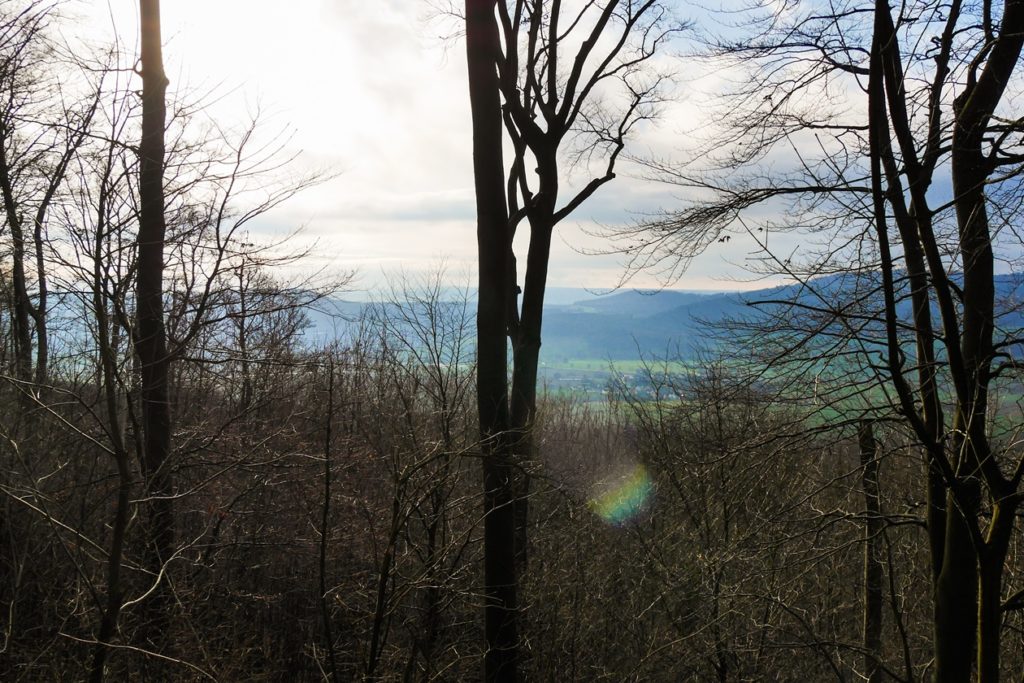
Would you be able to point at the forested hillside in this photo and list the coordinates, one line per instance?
(216, 465)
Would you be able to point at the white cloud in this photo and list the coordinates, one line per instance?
(370, 92)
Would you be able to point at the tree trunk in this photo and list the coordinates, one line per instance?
(22, 312)
(526, 356)
(150, 335)
(973, 109)
(39, 311)
(119, 528)
(990, 582)
(956, 597)
(873, 574)
(325, 526)
(483, 48)
(107, 347)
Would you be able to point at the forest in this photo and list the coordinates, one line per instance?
(821, 481)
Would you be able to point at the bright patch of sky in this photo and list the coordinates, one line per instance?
(372, 92)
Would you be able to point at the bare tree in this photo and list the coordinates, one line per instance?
(40, 134)
(483, 48)
(873, 566)
(562, 69)
(150, 336)
(551, 65)
(934, 79)
(425, 335)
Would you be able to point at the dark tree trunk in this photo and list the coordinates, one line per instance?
(991, 562)
(112, 610)
(39, 311)
(526, 343)
(22, 313)
(970, 167)
(956, 595)
(150, 334)
(873, 573)
(500, 583)
(107, 347)
(325, 527)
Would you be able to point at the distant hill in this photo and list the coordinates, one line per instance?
(624, 325)
(637, 303)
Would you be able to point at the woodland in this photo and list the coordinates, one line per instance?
(826, 486)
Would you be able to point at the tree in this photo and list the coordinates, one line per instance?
(150, 336)
(873, 569)
(217, 308)
(520, 75)
(106, 219)
(920, 263)
(483, 49)
(422, 370)
(574, 81)
(39, 136)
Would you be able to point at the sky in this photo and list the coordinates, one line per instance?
(374, 93)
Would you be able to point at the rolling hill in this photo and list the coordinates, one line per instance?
(626, 325)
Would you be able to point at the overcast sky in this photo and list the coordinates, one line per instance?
(373, 92)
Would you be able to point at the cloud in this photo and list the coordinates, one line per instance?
(371, 93)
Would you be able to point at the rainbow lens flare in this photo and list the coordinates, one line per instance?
(626, 500)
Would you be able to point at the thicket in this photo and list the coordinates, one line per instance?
(326, 501)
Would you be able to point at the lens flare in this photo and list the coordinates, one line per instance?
(626, 500)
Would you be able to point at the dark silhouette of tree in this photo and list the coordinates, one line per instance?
(561, 68)
(921, 295)
(107, 308)
(483, 50)
(874, 528)
(544, 74)
(39, 137)
(150, 338)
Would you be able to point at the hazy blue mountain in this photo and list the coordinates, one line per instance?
(565, 296)
(637, 303)
(624, 325)
(627, 325)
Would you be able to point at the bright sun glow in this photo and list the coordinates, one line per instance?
(372, 93)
